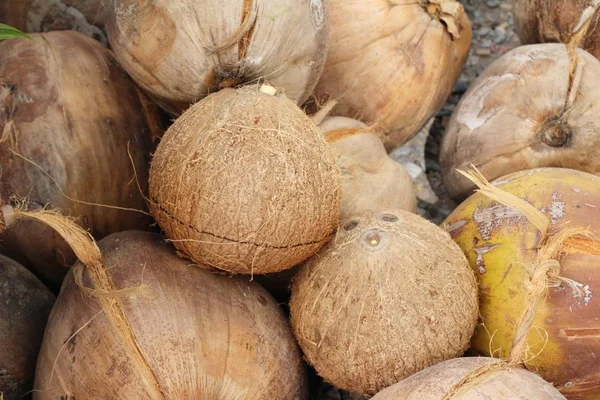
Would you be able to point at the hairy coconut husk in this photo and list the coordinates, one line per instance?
(244, 182)
(494, 381)
(74, 130)
(25, 306)
(201, 336)
(541, 21)
(536, 106)
(389, 296)
(84, 16)
(371, 180)
(181, 51)
(532, 238)
(393, 63)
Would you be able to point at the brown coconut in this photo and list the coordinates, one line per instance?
(389, 296)
(393, 63)
(371, 180)
(180, 51)
(196, 335)
(446, 380)
(74, 130)
(541, 21)
(84, 16)
(26, 304)
(533, 107)
(244, 182)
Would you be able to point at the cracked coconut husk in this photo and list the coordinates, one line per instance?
(245, 183)
(390, 295)
(536, 106)
(179, 52)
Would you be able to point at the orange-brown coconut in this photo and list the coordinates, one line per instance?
(394, 62)
(389, 296)
(197, 335)
(538, 291)
(533, 107)
(371, 180)
(68, 108)
(85, 16)
(180, 51)
(25, 306)
(541, 21)
(244, 182)
(444, 381)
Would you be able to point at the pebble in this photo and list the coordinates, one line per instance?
(492, 3)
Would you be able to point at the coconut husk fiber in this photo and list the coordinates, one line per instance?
(245, 183)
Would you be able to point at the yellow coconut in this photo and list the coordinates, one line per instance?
(390, 295)
(537, 260)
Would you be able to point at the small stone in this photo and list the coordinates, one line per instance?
(506, 6)
(492, 3)
(485, 52)
(483, 31)
(499, 35)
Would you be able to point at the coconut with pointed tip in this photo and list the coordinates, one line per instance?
(524, 111)
(84, 16)
(180, 51)
(393, 63)
(371, 180)
(244, 182)
(438, 381)
(198, 335)
(390, 295)
(26, 304)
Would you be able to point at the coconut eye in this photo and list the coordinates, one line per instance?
(373, 239)
(388, 218)
(348, 226)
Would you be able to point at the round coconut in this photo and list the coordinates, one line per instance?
(197, 335)
(503, 247)
(541, 21)
(528, 109)
(393, 63)
(244, 182)
(389, 296)
(26, 304)
(180, 51)
(371, 180)
(441, 380)
(75, 131)
(84, 16)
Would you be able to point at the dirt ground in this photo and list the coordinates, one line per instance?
(493, 35)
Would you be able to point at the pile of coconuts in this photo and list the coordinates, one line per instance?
(162, 160)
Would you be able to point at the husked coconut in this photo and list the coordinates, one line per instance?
(26, 304)
(84, 16)
(393, 63)
(180, 51)
(535, 248)
(371, 180)
(541, 21)
(533, 107)
(74, 133)
(169, 332)
(244, 182)
(489, 379)
(390, 295)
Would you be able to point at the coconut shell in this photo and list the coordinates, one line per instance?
(394, 63)
(26, 304)
(501, 244)
(541, 21)
(180, 51)
(202, 336)
(389, 296)
(524, 112)
(68, 108)
(436, 381)
(84, 16)
(244, 182)
(371, 180)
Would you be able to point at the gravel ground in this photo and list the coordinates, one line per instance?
(493, 36)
